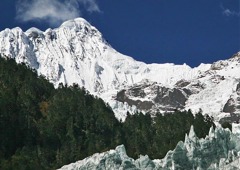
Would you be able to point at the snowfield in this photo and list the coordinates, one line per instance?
(76, 52)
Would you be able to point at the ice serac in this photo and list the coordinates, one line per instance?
(76, 52)
(219, 150)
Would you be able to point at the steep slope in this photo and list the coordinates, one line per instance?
(219, 150)
(76, 52)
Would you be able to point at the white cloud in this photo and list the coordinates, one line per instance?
(228, 12)
(91, 5)
(52, 11)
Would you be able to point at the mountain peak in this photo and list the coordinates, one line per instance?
(76, 23)
(236, 56)
(33, 32)
(76, 52)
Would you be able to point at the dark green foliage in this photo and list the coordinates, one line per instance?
(202, 124)
(227, 125)
(45, 128)
(156, 136)
(138, 133)
(77, 125)
(21, 91)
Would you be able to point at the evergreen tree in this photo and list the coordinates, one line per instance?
(46, 128)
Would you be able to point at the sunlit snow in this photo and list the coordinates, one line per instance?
(76, 52)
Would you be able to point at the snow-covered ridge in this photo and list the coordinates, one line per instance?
(76, 52)
(219, 150)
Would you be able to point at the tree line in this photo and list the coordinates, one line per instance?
(45, 128)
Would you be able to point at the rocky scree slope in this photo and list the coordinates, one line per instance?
(76, 52)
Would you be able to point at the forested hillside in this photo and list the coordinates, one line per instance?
(46, 128)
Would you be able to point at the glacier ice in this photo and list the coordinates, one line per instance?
(219, 150)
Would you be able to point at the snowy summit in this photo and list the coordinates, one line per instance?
(76, 52)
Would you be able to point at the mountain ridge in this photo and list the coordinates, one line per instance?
(76, 52)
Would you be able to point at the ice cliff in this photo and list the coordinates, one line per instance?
(219, 150)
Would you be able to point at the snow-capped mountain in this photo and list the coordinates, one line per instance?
(219, 150)
(76, 52)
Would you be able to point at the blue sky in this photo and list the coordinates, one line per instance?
(153, 31)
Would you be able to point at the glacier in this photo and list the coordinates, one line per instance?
(219, 150)
(76, 52)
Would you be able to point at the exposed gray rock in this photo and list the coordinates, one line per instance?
(238, 88)
(173, 98)
(154, 97)
(219, 65)
(142, 105)
(229, 107)
(182, 83)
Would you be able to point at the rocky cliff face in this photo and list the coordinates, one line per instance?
(76, 52)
